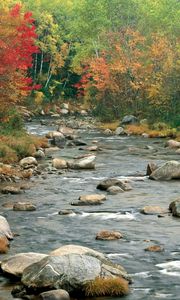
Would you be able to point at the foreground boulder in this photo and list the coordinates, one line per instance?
(83, 163)
(174, 207)
(15, 264)
(5, 229)
(107, 183)
(170, 170)
(70, 272)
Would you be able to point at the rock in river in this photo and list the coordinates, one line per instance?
(108, 235)
(107, 183)
(83, 163)
(70, 272)
(24, 206)
(5, 229)
(153, 210)
(175, 207)
(55, 295)
(15, 264)
(169, 170)
(93, 199)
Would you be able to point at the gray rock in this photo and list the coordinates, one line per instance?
(55, 295)
(15, 264)
(69, 272)
(150, 168)
(39, 154)
(28, 161)
(153, 210)
(83, 163)
(24, 206)
(129, 119)
(170, 170)
(114, 189)
(119, 131)
(5, 228)
(107, 183)
(174, 207)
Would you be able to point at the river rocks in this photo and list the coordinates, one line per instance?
(93, 199)
(4, 245)
(59, 163)
(150, 168)
(67, 249)
(55, 295)
(5, 229)
(113, 190)
(172, 144)
(65, 212)
(53, 134)
(92, 148)
(153, 210)
(107, 183)
(66, 130)
(108, 235)
(69, 272)
(11, 190)
(83, 163)
(174, 207)
(129, 120)
(170, 170)
(28, 162)
(108, 131)
(24, 206)
(154, 248)
(39, 154)
(15, 264)
(119, 131)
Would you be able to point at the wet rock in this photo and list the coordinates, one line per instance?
(15, 264)
(69, 272)
(119, 131)
(172, 144)
(11, 190)
(19, 292)
(53, 134)
(66, 212)
(55, 295)
(79, 143)
(66, 130)
(108, 235)
(113, 190)
(174, 207)
(4, 245)
(5, 228)
(59, 141)
(28, 161)
(59, 163)
(151, 167)
(83, 163)
(92, 148)
(107, 183)
(94, 199)
(154, 248)
(39, 154)
(129, 120)
(108, 131)
(153, 210)
(24, 206)
(170, 170)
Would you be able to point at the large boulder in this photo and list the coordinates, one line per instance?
(129, 120)
(83, 163)
(5, 229)
(174, 207)
(15, 264)
(70, 272)
(107, 183)
(170, 170)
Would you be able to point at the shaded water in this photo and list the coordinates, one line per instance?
(44, 229)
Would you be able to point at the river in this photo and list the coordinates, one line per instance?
(44, 230)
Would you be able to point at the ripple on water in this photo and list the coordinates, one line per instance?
(105, 215)
(171, 268)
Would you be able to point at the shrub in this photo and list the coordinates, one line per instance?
(7, 155)
(107, 287)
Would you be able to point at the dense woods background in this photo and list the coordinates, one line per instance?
(115, 57)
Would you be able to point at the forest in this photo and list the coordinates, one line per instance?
(115, 57)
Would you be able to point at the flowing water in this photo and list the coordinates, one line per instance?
(155, 275)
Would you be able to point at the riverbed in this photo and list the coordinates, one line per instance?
(44, 230)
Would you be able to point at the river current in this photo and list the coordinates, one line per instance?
(155, 275)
